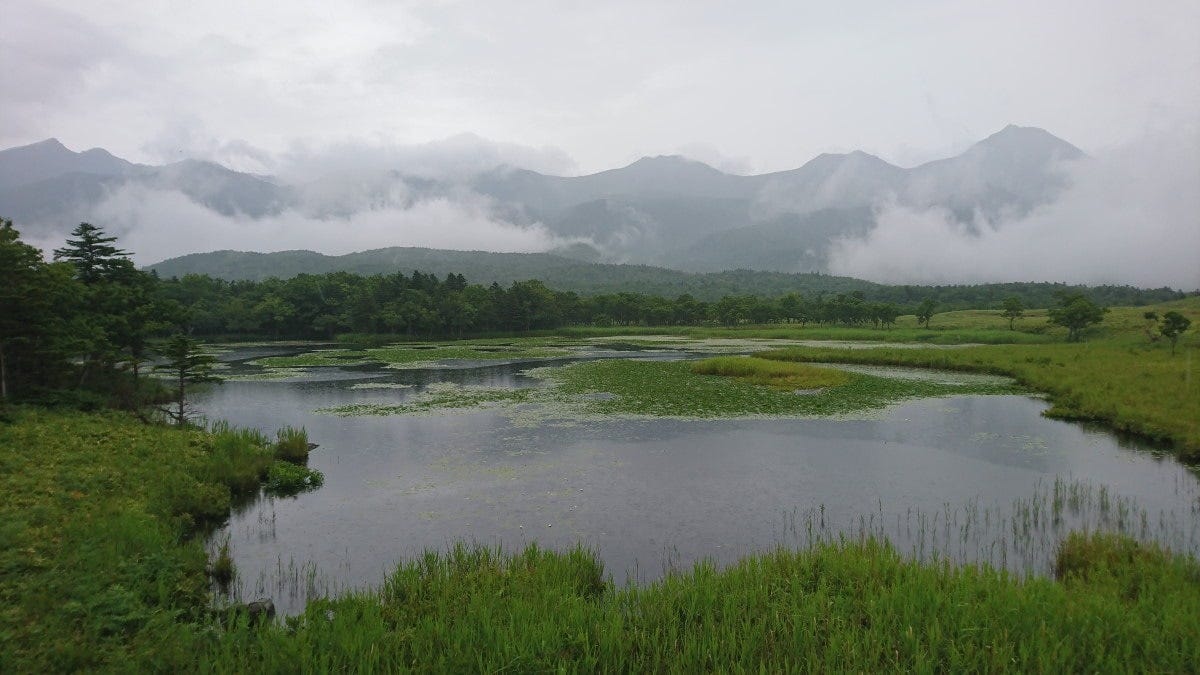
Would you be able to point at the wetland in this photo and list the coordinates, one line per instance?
(619, 445)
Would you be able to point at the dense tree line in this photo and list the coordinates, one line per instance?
(87, 320)
(82, 324)
(422, 305)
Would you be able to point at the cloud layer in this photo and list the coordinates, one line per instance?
(158, 224)
(1131, 216)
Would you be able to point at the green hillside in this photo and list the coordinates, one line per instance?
(587, 278)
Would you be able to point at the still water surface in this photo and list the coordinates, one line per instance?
(936, 476)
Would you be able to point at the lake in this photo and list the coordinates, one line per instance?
(973, 478)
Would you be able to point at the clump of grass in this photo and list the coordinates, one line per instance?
(239, 458)
(286, 479)
(777, 374)
(1082, 556)
(222, 567)
(291, 445)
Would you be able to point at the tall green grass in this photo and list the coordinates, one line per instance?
(837, 607)
(291, 445)
(99, 561)
(1136, 388)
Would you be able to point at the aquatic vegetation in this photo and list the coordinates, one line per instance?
(419, 354)
(380, 385)
(286, 479)
(444, 396)
(671, 389)
(222, 567)
(777, 374)
(266, 375)
(239, 457)
(640, 388)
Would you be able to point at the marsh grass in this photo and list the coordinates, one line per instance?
(100, 565)
(285, 479)
(776, 374)
(840, 606)
(239, 458)
(291, 445)
(222, 565)
(671, 389)
(1135, 388)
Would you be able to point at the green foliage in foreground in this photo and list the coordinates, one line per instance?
(96, 574)
(97, 564)
(838, 607)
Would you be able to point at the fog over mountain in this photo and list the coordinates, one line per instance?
(1020, 204)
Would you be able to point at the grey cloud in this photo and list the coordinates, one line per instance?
(156, 224)
(456, 157)
(1129, 216)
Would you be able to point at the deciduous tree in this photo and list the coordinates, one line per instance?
(1013, 309)
(1172, 326)
(1075, 312)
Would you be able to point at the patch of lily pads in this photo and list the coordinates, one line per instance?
(421, 354)
(440, 396)
(630, 388)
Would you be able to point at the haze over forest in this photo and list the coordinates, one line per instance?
(1060, 159)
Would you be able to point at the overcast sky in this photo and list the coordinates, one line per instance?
(583, 86)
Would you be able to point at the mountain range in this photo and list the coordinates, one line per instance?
(667, 211)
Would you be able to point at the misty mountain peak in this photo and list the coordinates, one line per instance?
(1029, 140)
(673, 163)
(47, 159)
(48, 144)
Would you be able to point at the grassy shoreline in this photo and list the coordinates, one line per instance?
(1118, 377)
(100, 573)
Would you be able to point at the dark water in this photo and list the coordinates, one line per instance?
(962, 477)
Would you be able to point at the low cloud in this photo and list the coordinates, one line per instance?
(159, 224)
(1130, 216)
(454, 158)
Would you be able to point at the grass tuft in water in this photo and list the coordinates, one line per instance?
(291, 444)
(222, 566)
(286, 479)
